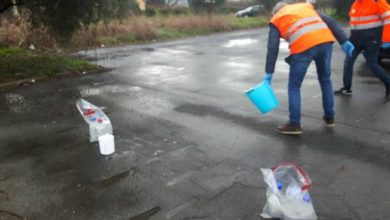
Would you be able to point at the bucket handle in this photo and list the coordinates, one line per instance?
(300, 170)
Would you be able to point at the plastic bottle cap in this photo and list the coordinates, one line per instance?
(306, 197)
(279, 185)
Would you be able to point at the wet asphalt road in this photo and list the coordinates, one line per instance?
(189, 145)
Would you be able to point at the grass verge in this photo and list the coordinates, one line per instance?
(16, 64)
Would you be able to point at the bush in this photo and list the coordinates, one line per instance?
(150, 12)
(164, 12)
(226, 10)
(171, 11)
(181, 11)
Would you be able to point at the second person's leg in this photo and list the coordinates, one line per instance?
(371, 55)
(348, 73)
(323, 64)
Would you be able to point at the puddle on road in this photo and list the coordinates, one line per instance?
(238, 63)
(156, 74)
(155, 104)
(108, 89)
(166, 52)
(240, 42)
(115, 54)
(238, 69)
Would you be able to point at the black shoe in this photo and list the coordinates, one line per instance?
(290, 129)
(329, 121)
(343, 91)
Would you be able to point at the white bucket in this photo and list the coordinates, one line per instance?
(106, 144)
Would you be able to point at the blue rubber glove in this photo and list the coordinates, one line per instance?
(348, 48)
(385, 45)
(267, 78)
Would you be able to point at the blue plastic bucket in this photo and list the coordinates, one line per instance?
(263, 97)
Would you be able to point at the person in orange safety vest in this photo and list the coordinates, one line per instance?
(310, 35)
(370, 30)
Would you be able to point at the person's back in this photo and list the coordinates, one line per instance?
(301, 26)
(310, 35)
(365, 23)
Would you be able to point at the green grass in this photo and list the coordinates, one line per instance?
(18, 64)
(7, 52)
(108, 40)
(166, 32)
(169, 33)
(128, 38)
(249, 22)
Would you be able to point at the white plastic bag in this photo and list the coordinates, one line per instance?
(288, 193)
(99, 123)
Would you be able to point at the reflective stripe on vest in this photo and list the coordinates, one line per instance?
(302, 27)
(365, 18)
(384, 15)
(305, 30)
(386, 18)
(301, 22)
(366, 25)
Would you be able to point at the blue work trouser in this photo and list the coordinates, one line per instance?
(370, 52)
(299, 63)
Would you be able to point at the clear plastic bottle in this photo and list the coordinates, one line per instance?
(99, 123)
(98, 128)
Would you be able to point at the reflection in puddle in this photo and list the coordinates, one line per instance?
(240, 42)
(150, 103)
(238, 62)
(108, 89)
(166, 51)
(237, 70)
(156, 74)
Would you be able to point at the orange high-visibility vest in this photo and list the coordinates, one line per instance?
(366, 14)
(302, 27)
(384, 12)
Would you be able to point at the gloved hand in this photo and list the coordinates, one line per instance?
(348, 48)
(267, 78)
(385, 45)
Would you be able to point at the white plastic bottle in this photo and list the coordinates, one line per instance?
(103, 127)
(99, 128)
